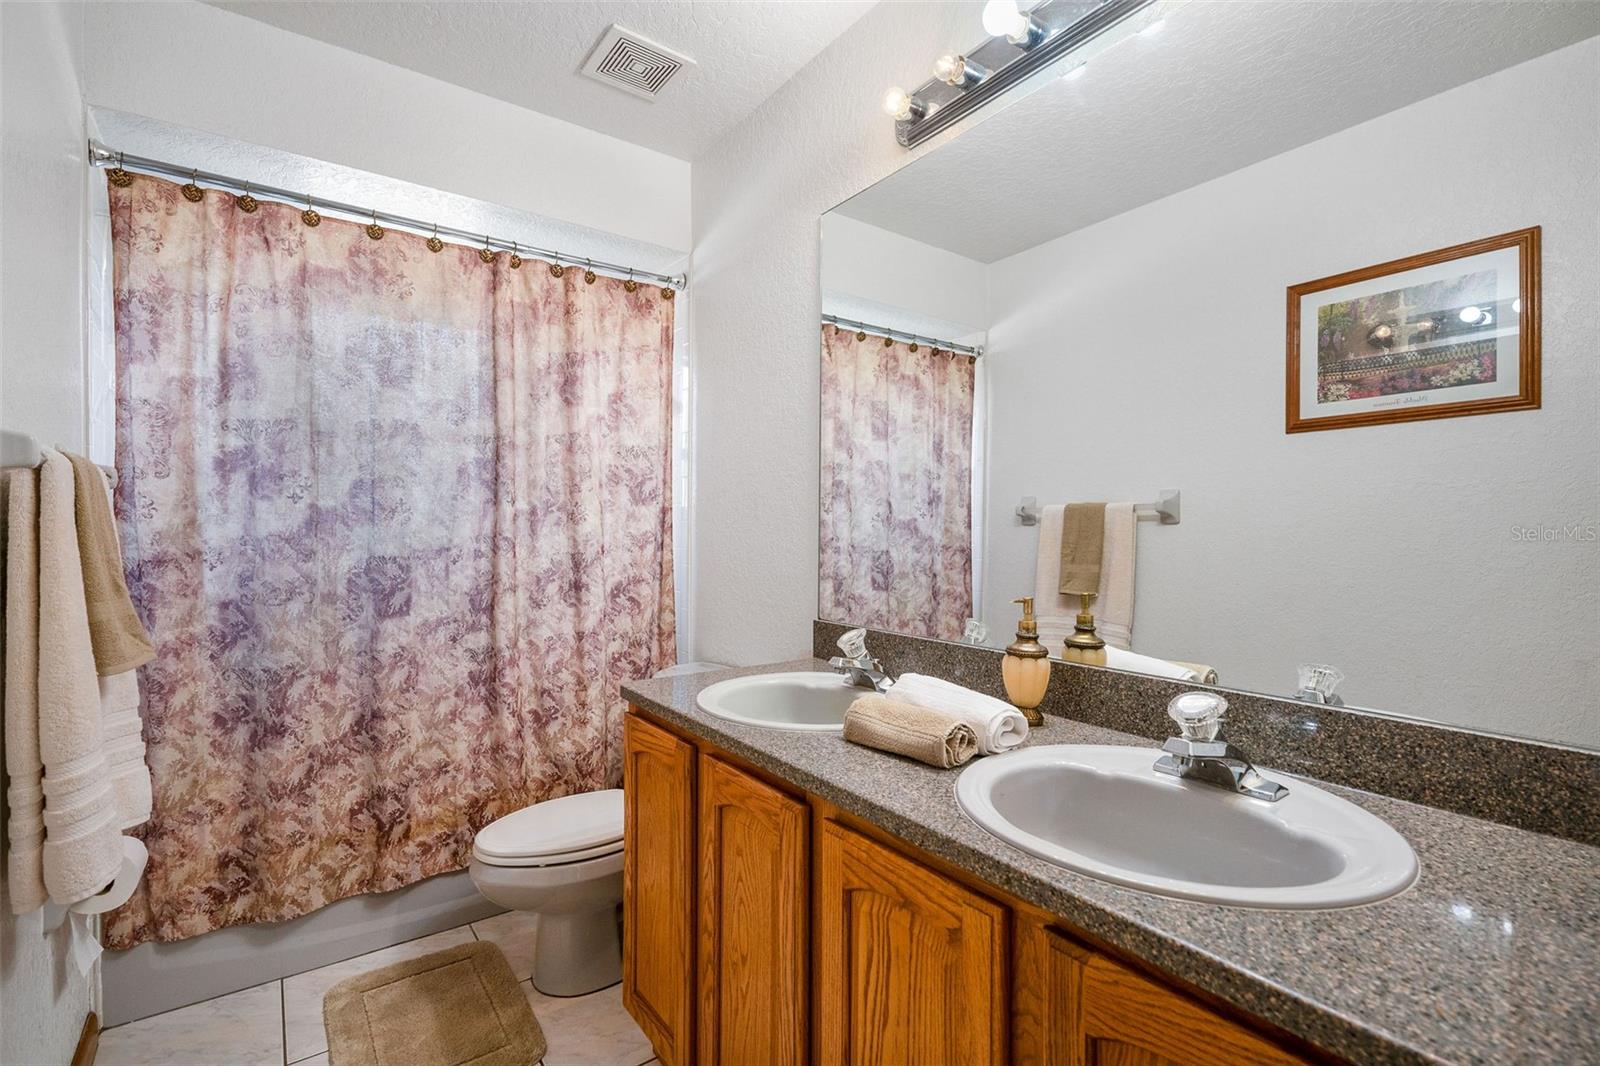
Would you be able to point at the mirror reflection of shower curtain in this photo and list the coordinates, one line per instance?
(896, 509)
(399, 523)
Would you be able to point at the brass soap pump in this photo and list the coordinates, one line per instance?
(1026, 666)
(1084, 646)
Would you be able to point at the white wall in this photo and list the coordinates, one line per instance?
(757, 197)
(1154, 341)
(42, 207)
(198, 66)
(872, 275)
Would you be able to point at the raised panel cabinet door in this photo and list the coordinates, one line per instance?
(911, 966)
(1130, 1020)
(754, 903)
(1047, 996)
(658, 887)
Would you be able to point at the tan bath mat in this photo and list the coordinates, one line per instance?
(455, 1006)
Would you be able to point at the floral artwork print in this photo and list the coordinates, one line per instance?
(1421, 337)
(896, 529)
(399, 524)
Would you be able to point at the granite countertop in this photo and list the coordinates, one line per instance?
(1492, 956)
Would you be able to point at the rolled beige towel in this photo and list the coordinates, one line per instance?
(920, 733)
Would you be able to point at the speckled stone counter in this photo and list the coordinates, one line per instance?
(1493, 956)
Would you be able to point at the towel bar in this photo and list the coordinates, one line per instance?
(19, 449)
(1167, 509)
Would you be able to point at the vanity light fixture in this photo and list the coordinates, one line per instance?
(1002, 18)
(901, 105)
(958, 71)
(1021, 44)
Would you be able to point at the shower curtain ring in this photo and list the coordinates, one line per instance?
(374, 230)
(516, 260)
(588, 271)
(630, 284)
(245, 202)
(118, 176)
(556, 269)
(192, 191)
(434, 243)
(309, 216)
(486, 253)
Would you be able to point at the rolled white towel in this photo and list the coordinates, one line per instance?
(1132, 661)
(999, 726)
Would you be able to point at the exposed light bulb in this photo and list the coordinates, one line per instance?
(949, 68)
(1002, 18)
(1153, 29)
(897, 104)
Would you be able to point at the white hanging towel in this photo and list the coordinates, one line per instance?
(82, 850)
(1113, 606)
(999, 726)
(123, 730)
(25, 773)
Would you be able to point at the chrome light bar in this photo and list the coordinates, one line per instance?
(1053, 29)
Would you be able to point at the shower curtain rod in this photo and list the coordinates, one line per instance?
(106, 158)
(900, 334)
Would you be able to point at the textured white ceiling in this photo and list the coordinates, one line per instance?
(529, 53)
(1223, 84)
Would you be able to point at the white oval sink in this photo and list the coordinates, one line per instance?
(805, 700)
(1102, 811)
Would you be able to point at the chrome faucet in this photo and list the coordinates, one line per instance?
(860, 667)
(1201, 755)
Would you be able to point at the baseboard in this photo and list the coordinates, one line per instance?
(153, 978)
(88, 1042)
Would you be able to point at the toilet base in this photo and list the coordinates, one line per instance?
(576, 953)
(577, 943)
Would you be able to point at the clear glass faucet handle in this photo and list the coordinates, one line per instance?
(1320, 678)
(854, 644)
(1198, 714)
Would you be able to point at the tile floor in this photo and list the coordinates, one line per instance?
(280, 1022)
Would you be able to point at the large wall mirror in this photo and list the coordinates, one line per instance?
(1339, 359)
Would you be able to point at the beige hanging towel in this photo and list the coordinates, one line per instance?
(922, 733)
(24, 771)
(119, 640)
(82, 845)
(1113, 607)
(1083, 531)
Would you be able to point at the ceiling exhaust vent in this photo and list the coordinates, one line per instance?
(634, 64)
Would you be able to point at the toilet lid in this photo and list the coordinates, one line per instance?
(580, 823)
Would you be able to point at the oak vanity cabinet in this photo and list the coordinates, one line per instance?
(910, 967)
(658, 886)
(1117, 1017)
(755, 868)
(765, 926)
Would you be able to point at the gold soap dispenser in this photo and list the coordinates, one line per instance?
(1026, 666)
(1085, 645)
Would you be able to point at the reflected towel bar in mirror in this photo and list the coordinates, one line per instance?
(1166, 509)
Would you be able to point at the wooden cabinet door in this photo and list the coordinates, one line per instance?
(911, 966)
(755, 872)
(658, 887)
(1075, 1007)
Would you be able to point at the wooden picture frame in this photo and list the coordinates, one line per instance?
(1443, 334)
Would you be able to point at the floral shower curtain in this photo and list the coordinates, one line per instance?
(399, 522)
(896, 537)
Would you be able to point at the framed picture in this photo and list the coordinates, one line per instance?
(1439, 335)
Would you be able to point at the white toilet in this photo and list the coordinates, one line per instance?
(561, 860)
